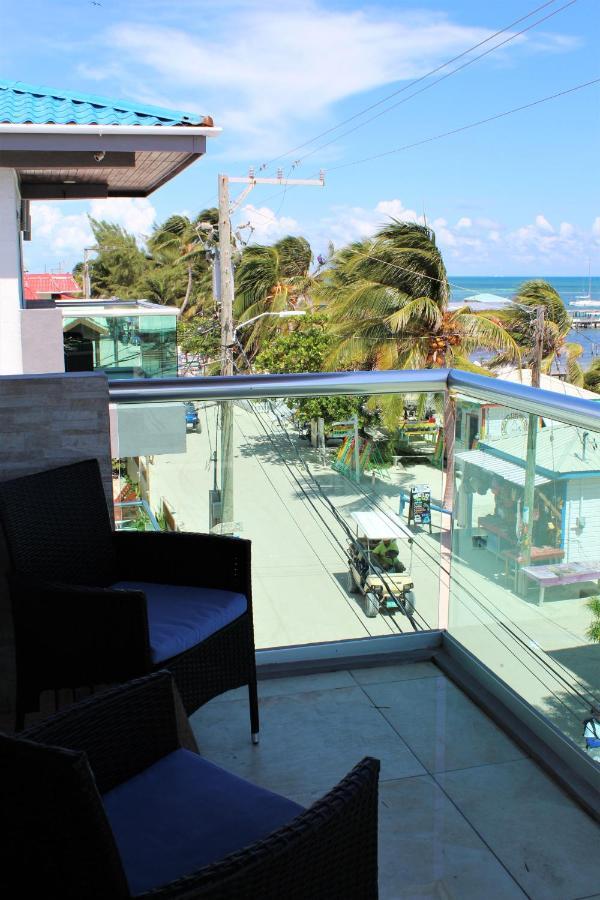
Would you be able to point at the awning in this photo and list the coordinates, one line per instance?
(499, 467)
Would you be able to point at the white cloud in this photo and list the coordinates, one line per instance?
(60, 232)
(63, 235)
(543, 224)
(262, 69)
(267, 226)
(566, 230)
(395, 209)
(135, 214)
(464, 222)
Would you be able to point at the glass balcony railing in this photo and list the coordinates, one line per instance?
(392, 503)
(526, 554)
(321, 485)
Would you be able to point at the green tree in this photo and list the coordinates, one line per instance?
(303, 348)
(271, 279)
(179, 248)
(591, 377)
(200, 336)
(593, 631)
(119, 266)
(520, 320)
(387, 299)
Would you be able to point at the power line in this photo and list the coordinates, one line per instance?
(411, 84)
(427, 87)
(444, 134)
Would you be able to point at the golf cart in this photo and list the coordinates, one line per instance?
(382, 582)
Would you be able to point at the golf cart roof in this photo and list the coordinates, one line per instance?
(375, 525)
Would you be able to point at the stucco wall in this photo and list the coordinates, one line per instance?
(47, 421)
(43, 341)
(11, 360)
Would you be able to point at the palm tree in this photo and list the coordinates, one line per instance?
(387, 298)
(179, 244)
(272, 279)
(591, 377)
(520, 320)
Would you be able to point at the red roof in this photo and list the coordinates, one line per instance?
(47, 283)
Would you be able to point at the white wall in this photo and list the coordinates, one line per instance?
(11, 354)
(582, 520)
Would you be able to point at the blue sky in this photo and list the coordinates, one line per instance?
(517, 196)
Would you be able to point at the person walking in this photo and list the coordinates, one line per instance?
(591, 733)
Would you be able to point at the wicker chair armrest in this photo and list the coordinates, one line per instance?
(329, 850)
(201, 560)
(98, 633)
(122, 730)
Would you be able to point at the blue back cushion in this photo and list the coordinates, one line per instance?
(179, 617)
(183, 813)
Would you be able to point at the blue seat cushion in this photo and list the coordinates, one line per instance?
(179, 616)
(183, 813)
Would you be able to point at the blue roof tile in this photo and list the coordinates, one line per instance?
(38, 105)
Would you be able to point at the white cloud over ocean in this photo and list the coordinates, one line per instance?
(480, 245)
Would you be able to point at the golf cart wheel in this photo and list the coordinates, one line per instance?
(371, 606)
(408, 603)
(351, 584)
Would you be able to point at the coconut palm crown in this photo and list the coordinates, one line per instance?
(271, 279)
(520, 320)
(387, 298)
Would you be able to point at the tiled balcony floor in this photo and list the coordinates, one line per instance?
(464, 814)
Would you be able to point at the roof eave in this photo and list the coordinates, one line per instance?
(99, 130)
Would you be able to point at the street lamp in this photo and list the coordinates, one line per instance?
(284, 314)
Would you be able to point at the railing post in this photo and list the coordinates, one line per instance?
(447, 504)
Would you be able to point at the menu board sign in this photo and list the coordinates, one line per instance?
(419, 510)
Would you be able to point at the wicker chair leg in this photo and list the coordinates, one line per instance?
(253, 697)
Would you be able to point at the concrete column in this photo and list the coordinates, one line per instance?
(11, 353)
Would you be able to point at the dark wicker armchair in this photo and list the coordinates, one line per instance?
(109, 799)
(96, 606)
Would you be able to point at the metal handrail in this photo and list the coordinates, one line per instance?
(249, 387)
(570, 410)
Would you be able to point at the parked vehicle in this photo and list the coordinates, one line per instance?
(192, 419)
(379, 576)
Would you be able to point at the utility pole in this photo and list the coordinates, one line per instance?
(227, 327)
(227, 335)
(87, 284)
(532, 430)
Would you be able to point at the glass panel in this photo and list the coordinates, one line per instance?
(321, 486)
(526, 556)
(123, 346)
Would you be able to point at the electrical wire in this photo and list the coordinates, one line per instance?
(330, 506)
(408, 86)
(510, 627)
(470, 125)
(337, 543)
(427, 87)
(504, 622)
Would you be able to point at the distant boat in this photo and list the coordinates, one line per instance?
(582, 299)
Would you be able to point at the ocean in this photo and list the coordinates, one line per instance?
(569, 287)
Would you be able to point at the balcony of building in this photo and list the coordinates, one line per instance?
(466, 665)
